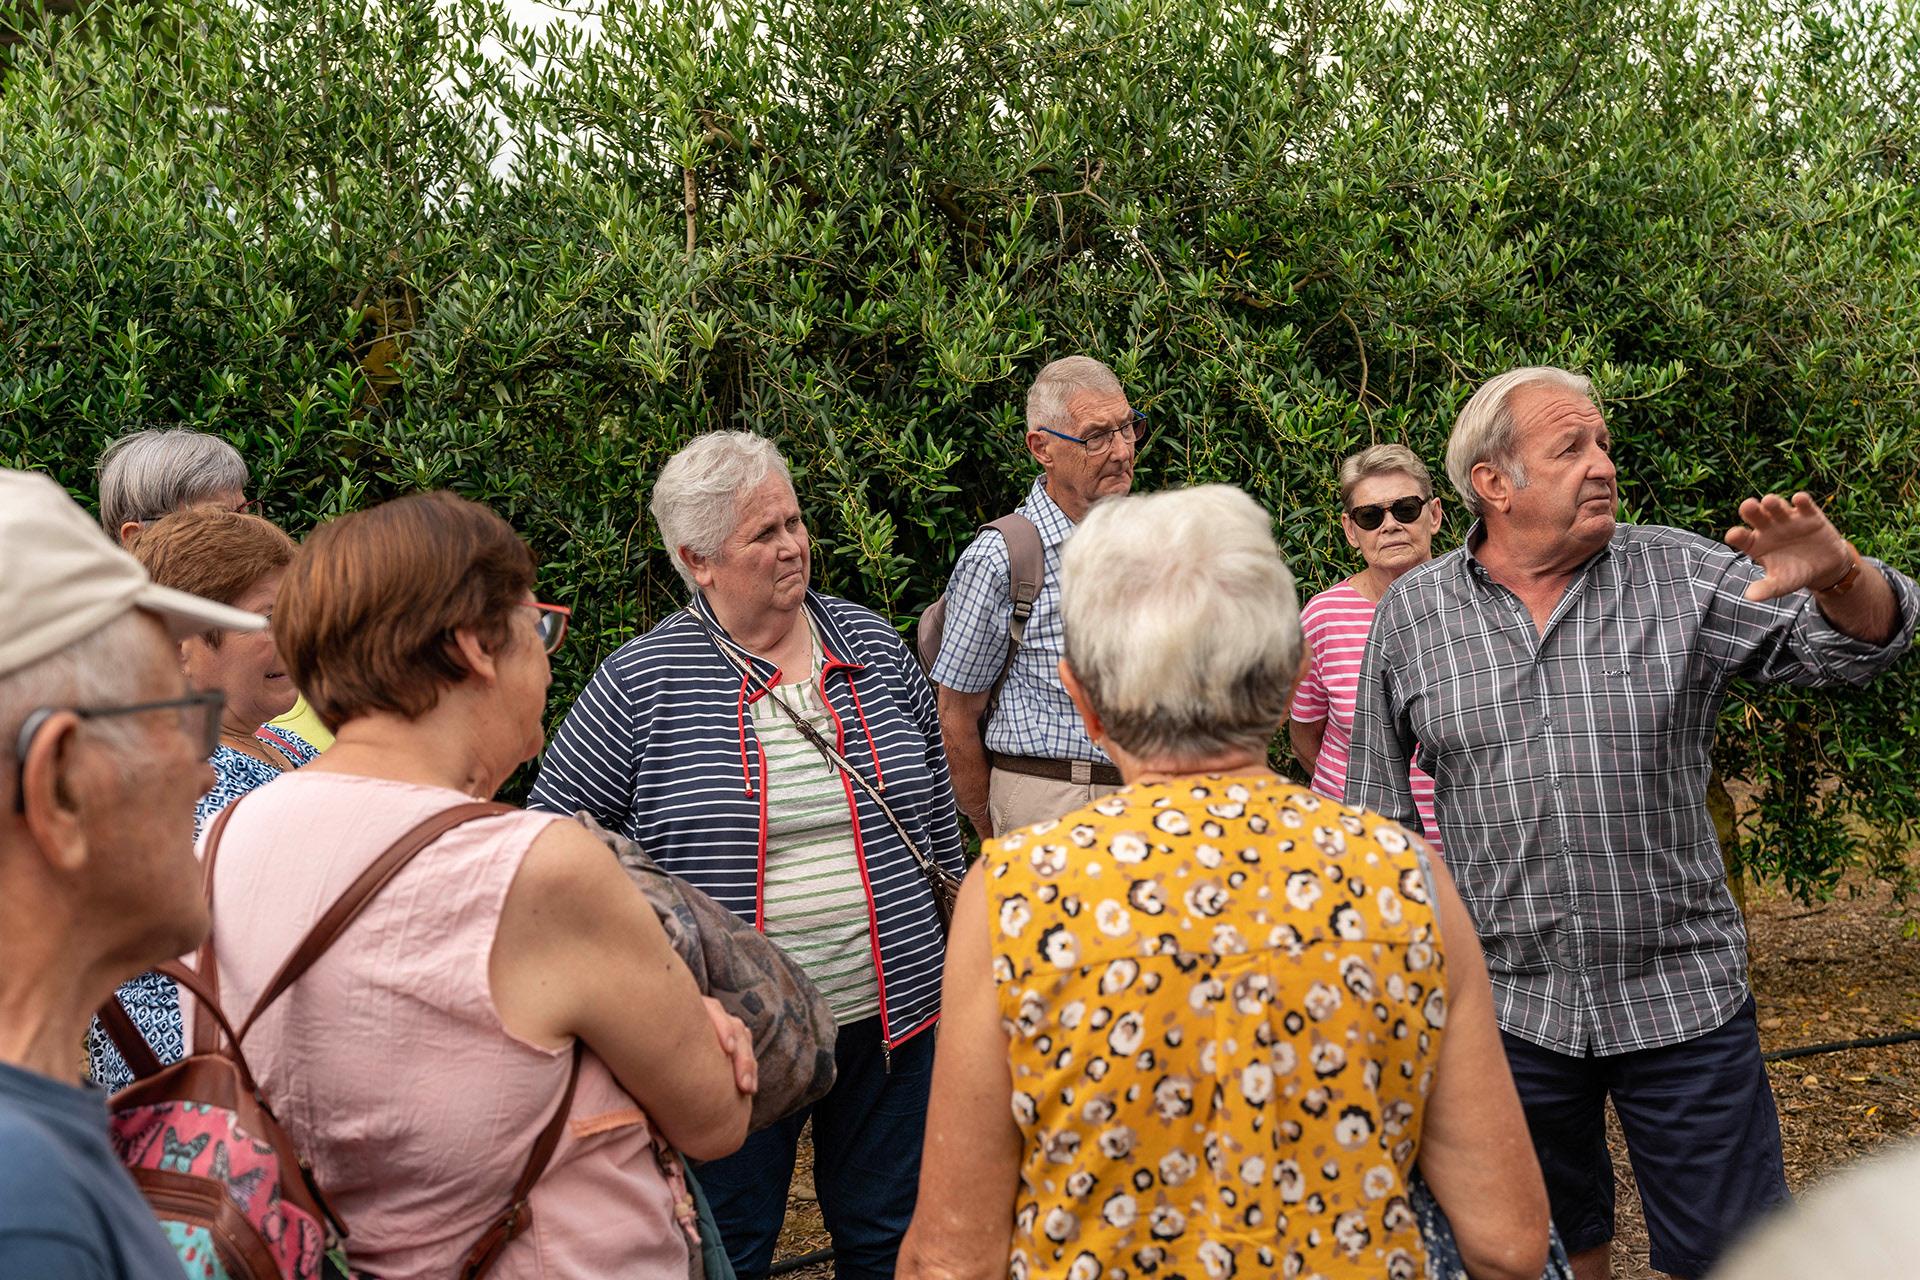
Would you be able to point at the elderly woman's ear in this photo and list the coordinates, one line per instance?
(699, 566)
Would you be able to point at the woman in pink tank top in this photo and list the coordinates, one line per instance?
(417, 1061)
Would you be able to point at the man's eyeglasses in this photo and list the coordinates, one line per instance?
(1097, 443)
(199, 718)
(1404, 510)
(552, 624)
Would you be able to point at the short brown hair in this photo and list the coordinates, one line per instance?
(1383, 460)
(367, 613)
(216, 554)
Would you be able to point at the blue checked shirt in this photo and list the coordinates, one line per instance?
(1034, 716)
(1570, 769)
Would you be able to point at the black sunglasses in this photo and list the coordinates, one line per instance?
(199, 717)
(1405, 510)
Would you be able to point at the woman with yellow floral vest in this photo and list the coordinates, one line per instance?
(1210, 1025)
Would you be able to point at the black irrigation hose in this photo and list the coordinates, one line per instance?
(789, 1265)
(1836, 1046)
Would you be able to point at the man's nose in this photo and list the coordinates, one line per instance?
(1122, 442)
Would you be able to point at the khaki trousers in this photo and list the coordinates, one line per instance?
(1016, 800)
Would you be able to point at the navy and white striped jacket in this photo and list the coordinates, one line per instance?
(661, 747)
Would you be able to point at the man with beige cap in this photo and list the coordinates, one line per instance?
(103, 750)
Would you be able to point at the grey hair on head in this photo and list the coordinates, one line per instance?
(150, 474)
(697, 494)
(1182, 622)
(1383, 460)
(1485, 430)
(1059, 382)
(100, 668)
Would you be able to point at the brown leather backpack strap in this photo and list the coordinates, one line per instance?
(518, 1215)
(1026, 574)
(348, 906)
(205, 1033)
(134, 1049)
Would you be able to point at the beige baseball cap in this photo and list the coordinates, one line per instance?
(61, 578)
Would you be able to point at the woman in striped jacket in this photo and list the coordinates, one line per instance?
(724, 741)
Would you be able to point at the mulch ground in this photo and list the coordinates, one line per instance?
(1842, 970)
(1835, 971)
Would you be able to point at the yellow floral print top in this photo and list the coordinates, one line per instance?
(1224, 998)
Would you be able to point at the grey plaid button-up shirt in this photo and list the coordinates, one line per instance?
(1570, 769)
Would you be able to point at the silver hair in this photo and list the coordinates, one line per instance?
(1181, 621)
(100, 668)
(697, 494)
(1058, 383)
(150, 474)
(1485, 430)
(1384, 460)
(1860, 1224)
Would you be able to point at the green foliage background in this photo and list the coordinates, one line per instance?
(384, 245)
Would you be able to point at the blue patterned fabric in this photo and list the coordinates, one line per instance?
(1443, 1250)
(1033, 715)
(153, 1002)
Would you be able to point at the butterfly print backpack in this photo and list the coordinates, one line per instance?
(231, 1192)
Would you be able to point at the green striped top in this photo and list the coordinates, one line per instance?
(816, 903)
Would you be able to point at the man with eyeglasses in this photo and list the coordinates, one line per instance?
(1389, 514)
(1034, 760)
(103, 751)
(1561, 675)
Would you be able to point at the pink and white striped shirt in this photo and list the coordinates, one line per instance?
(1336, 623)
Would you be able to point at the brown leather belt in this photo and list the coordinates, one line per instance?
(1079, 772)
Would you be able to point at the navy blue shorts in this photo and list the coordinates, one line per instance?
(1701, 1130)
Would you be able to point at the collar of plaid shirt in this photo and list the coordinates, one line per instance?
(1571, 767)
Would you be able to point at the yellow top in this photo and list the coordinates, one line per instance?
(303, 722)
(1224, 998)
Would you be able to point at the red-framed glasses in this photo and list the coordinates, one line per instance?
(552, 625)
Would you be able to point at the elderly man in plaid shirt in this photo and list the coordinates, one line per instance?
(1034, 761)
(1562, 674)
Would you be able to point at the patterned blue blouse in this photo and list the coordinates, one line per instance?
(153, 1002)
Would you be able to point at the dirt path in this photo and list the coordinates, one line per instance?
(1837, 971)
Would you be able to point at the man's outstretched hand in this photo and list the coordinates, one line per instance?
(1793, 542)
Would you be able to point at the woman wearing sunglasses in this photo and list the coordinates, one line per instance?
(1389, 514)
(417, 1062)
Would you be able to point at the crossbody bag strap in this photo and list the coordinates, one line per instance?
(518, 1214)
(206, 1031)
(350, 904)
(126, 1037)
(928, 866)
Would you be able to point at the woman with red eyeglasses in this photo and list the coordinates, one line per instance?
(510, 972)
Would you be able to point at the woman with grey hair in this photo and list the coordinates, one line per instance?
(150, 474)
(780, 749)
(1211, 1024)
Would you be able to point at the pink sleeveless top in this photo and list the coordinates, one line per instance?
(388, 1063)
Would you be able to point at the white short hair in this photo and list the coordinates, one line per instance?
(150, 474)
(1860, 1224)
(697, 495)
(1485, 429)
(102, 667)
(1060, 382)
(1181, 621)
(1383, 460)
